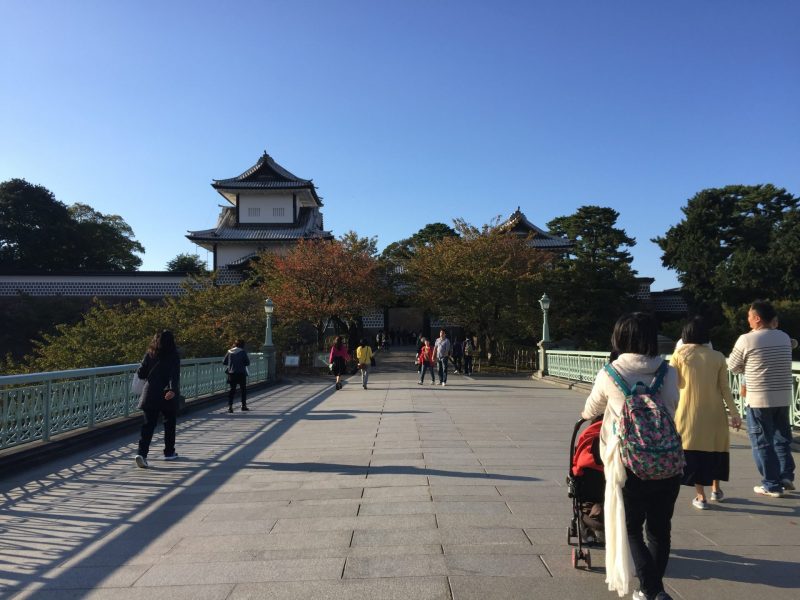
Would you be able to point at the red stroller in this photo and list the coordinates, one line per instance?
(586, 486)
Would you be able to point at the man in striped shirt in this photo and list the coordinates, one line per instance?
(764, 355)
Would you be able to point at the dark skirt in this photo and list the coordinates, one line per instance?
(339, 366)
(704, 467)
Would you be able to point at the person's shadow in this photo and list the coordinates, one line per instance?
(703, 564)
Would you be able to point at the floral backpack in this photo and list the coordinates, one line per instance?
(649, 443)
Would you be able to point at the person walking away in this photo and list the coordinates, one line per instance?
(427, 360)
(701, 417)
(443, 350)
(458, 353)
(632, 501)
(764, 356)
(339, 357)
(161, 367)
(364, 358)
(469, 349)
(236, 362)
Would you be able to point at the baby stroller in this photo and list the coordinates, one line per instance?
(586, 486)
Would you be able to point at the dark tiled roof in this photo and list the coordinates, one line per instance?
(266, 174)
(309, 225)
(518, 223)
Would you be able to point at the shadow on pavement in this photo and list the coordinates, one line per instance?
(711, 564)
(315, 467)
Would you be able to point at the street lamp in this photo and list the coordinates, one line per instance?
(268, 308)
(544, 302)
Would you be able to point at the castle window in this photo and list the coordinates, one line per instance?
(253, 212)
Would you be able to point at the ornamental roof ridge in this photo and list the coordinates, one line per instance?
(263, 166)
(543, 237)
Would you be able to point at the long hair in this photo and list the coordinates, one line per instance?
(337, 342)
(162, 344)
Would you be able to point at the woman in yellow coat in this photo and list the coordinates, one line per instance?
(701, 419)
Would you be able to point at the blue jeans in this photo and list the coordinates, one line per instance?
(426, 367)
(771, 438)
(443, 369)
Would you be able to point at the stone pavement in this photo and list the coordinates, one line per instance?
(399, 491)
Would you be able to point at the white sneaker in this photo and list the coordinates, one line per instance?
(639, 595)
(444, 384)
(761, 491)
(717, 496)
(788, 486)
(141, 461)
(701, 504)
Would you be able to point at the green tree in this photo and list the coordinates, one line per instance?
(39, 233)
(736, 244)
(483, 280)
(353, 243)
(594, 283)
(103, 242)
(187, 263)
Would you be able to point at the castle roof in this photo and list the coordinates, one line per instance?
(519, 224)
(266, 174)
(308, 226)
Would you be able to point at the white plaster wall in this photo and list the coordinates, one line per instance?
(228, 254)
(266, 202)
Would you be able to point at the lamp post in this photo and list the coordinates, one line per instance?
(544, 303)
(268, 349)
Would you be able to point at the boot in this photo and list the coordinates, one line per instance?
(230, 408)
(244, 408)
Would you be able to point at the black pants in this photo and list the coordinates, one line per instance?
(650, 504)
(239, 379)
(149, 426)
(467, 365)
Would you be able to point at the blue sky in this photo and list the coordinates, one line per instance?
(403, 113)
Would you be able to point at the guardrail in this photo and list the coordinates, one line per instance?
(583, 367)
(39, 406)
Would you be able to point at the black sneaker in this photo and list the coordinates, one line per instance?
(173, 456)
(230, 409)
(245, 409)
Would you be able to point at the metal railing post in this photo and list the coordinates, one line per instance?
(46, 426)
(92, 394)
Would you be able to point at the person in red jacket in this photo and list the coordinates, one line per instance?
(427, 361)
(338, 359)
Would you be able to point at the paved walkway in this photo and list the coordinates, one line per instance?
(399, 491)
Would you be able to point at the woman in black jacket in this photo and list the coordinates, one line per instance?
(236, 362)
(161, 367)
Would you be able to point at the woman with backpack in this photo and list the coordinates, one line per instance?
(338, 359)
(701, 418)
(161, 367)
(641, 380)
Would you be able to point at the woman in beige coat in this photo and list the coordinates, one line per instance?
(701, 419)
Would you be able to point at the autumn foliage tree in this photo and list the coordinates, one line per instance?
(319, 280)
(483, 280)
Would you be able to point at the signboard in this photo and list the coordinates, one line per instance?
(291, 360)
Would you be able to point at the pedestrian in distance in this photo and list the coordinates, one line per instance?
(468, 350)
(443, 350)
(161, 368)
(632, 501)
(701, 417)
(764, 356)
(427, 361)
(236, 362)
(364, 358)
(458, 353)
(338, 359)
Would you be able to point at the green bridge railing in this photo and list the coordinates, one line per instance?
(583, 367)
(38, 406)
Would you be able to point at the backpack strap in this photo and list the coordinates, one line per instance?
(658, 380)
(617, 379)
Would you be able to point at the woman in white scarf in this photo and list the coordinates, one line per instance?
(632, 503)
